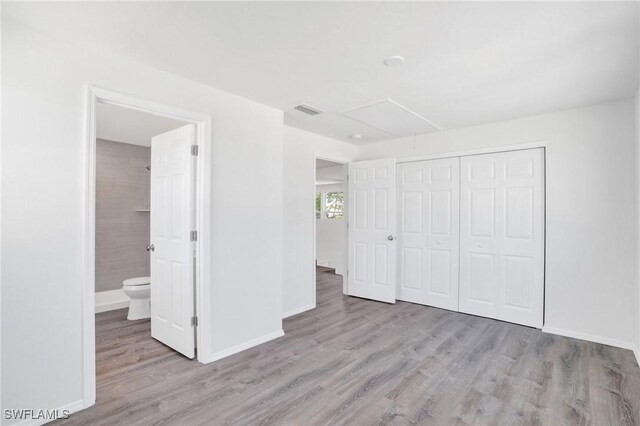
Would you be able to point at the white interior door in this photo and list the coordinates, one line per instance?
(428, 229)
(502, 236)
(172, 277)
(372, 230)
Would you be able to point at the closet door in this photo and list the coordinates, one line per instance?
(428, 211)
(502, 236)
(372, 230)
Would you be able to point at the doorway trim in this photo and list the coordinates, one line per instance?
(345, 181)
(474, 151)
(93, 95)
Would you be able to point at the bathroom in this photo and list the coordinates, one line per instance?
(122, 218)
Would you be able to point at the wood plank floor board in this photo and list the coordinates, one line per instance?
(352, 361)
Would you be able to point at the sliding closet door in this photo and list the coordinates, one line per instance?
(428, 195)
(502, 236)
(372, 230)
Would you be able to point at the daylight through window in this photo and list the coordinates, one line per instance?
(329, 205)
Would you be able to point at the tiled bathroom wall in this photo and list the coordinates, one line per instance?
(122, 232)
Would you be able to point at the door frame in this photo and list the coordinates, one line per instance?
(475, 151)
(345, 182)
(202, 207)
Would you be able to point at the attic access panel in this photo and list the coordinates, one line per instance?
(392, 118)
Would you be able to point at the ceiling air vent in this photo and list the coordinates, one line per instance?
(308, 110)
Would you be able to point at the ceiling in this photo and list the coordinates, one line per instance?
(328, 172)
(126, 125)
(467, 63)
(321, 164)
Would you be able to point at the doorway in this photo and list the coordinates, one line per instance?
(330, 241)
(177, 166)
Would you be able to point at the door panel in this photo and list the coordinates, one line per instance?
(482, 205)
(440, 219)
(360, 209)
(381, 264)
(381, 210)
(428, 212)
(411, 211)
(371, 220)
(518, 281)
(440, 278)
(519, 212)
(482, 278)
(502, 236)
(172, 285)
(411, 268)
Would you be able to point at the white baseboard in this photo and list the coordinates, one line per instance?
(111, 300)
(592, 338)
(298, 311)
(636, 352)
(72, 408)
(241, 347)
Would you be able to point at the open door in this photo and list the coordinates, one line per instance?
(171, 249)
(372, 230)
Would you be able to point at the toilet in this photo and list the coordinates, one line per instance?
(139, 291)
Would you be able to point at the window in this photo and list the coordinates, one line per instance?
(329, 205)
(334, 205)
(318, 205)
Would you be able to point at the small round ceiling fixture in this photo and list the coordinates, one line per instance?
(394, 61)
(356, 136)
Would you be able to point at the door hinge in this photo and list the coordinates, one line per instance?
(194, 149)
(194, 235)
(194, 321)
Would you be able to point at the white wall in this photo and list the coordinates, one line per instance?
(300, 149)
(330, 235)
(637, 318)
(591, 255)
(1, 204)
(331, 244)
(43, 177)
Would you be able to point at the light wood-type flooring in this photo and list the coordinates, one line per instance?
(357, 362)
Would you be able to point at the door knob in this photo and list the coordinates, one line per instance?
(391, 238)
(150, 247)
